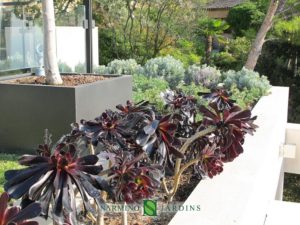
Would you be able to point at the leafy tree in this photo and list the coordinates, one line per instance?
(64, 6)
(278, 63)
(279, 9)
(252, 18)
(262, 5)
(235, 55)
(184, 50)
(210, 28)
(288, 30)
(141, 29)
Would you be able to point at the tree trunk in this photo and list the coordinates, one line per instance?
(209, 42)
(50, 61)
(261, 35)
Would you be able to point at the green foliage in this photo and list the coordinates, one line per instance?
(245, 90)
(184, 50)
(291, 187)
(204, 75)
(13, 62)
(245, 98)
(68, 13)
(211, 27)
(80, 68)
(235, 55)
(102, 70)
(247, 80)
(168, 68)
(192, 88)
(141, 29)
(224, 60)
(262, 5)
(128, 67)
(288, 30)
(109, 51)
(208, 29)
(64, 68)
(245, 16)
(279, 62)
(239, 47)
(149, 89)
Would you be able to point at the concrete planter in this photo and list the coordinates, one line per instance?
(27, 110)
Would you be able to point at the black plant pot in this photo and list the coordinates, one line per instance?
(27, 110)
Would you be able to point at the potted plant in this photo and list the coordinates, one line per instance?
(142, 148)
(34, 106)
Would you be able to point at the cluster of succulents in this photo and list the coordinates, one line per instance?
(141, 147)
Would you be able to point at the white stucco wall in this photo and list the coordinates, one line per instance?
(243, 192)
(293, 138)
(71, 45)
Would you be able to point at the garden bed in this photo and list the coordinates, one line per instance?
(131, 175)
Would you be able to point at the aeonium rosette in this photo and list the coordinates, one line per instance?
(142, 107)
(220, 97)
(178, 100)
(55, 177)
(109, 129)
(113, 129)
(133, 177)
(210, 161)
(185, 106)
(232, 125)
(158, 140)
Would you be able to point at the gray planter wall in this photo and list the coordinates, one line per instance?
(27, 110)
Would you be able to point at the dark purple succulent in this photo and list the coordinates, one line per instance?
(134, 178)
(177, 99)
(142, 107)
(14, 215)
(219, 96)
(139, 144)
(44, 150)
(111, 129)
(159, 141)
(232, 125)
(210, 163)
(184, 107)
(54, 177)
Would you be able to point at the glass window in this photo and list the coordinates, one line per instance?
(21, 34)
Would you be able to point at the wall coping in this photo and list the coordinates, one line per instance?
(243, 192)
